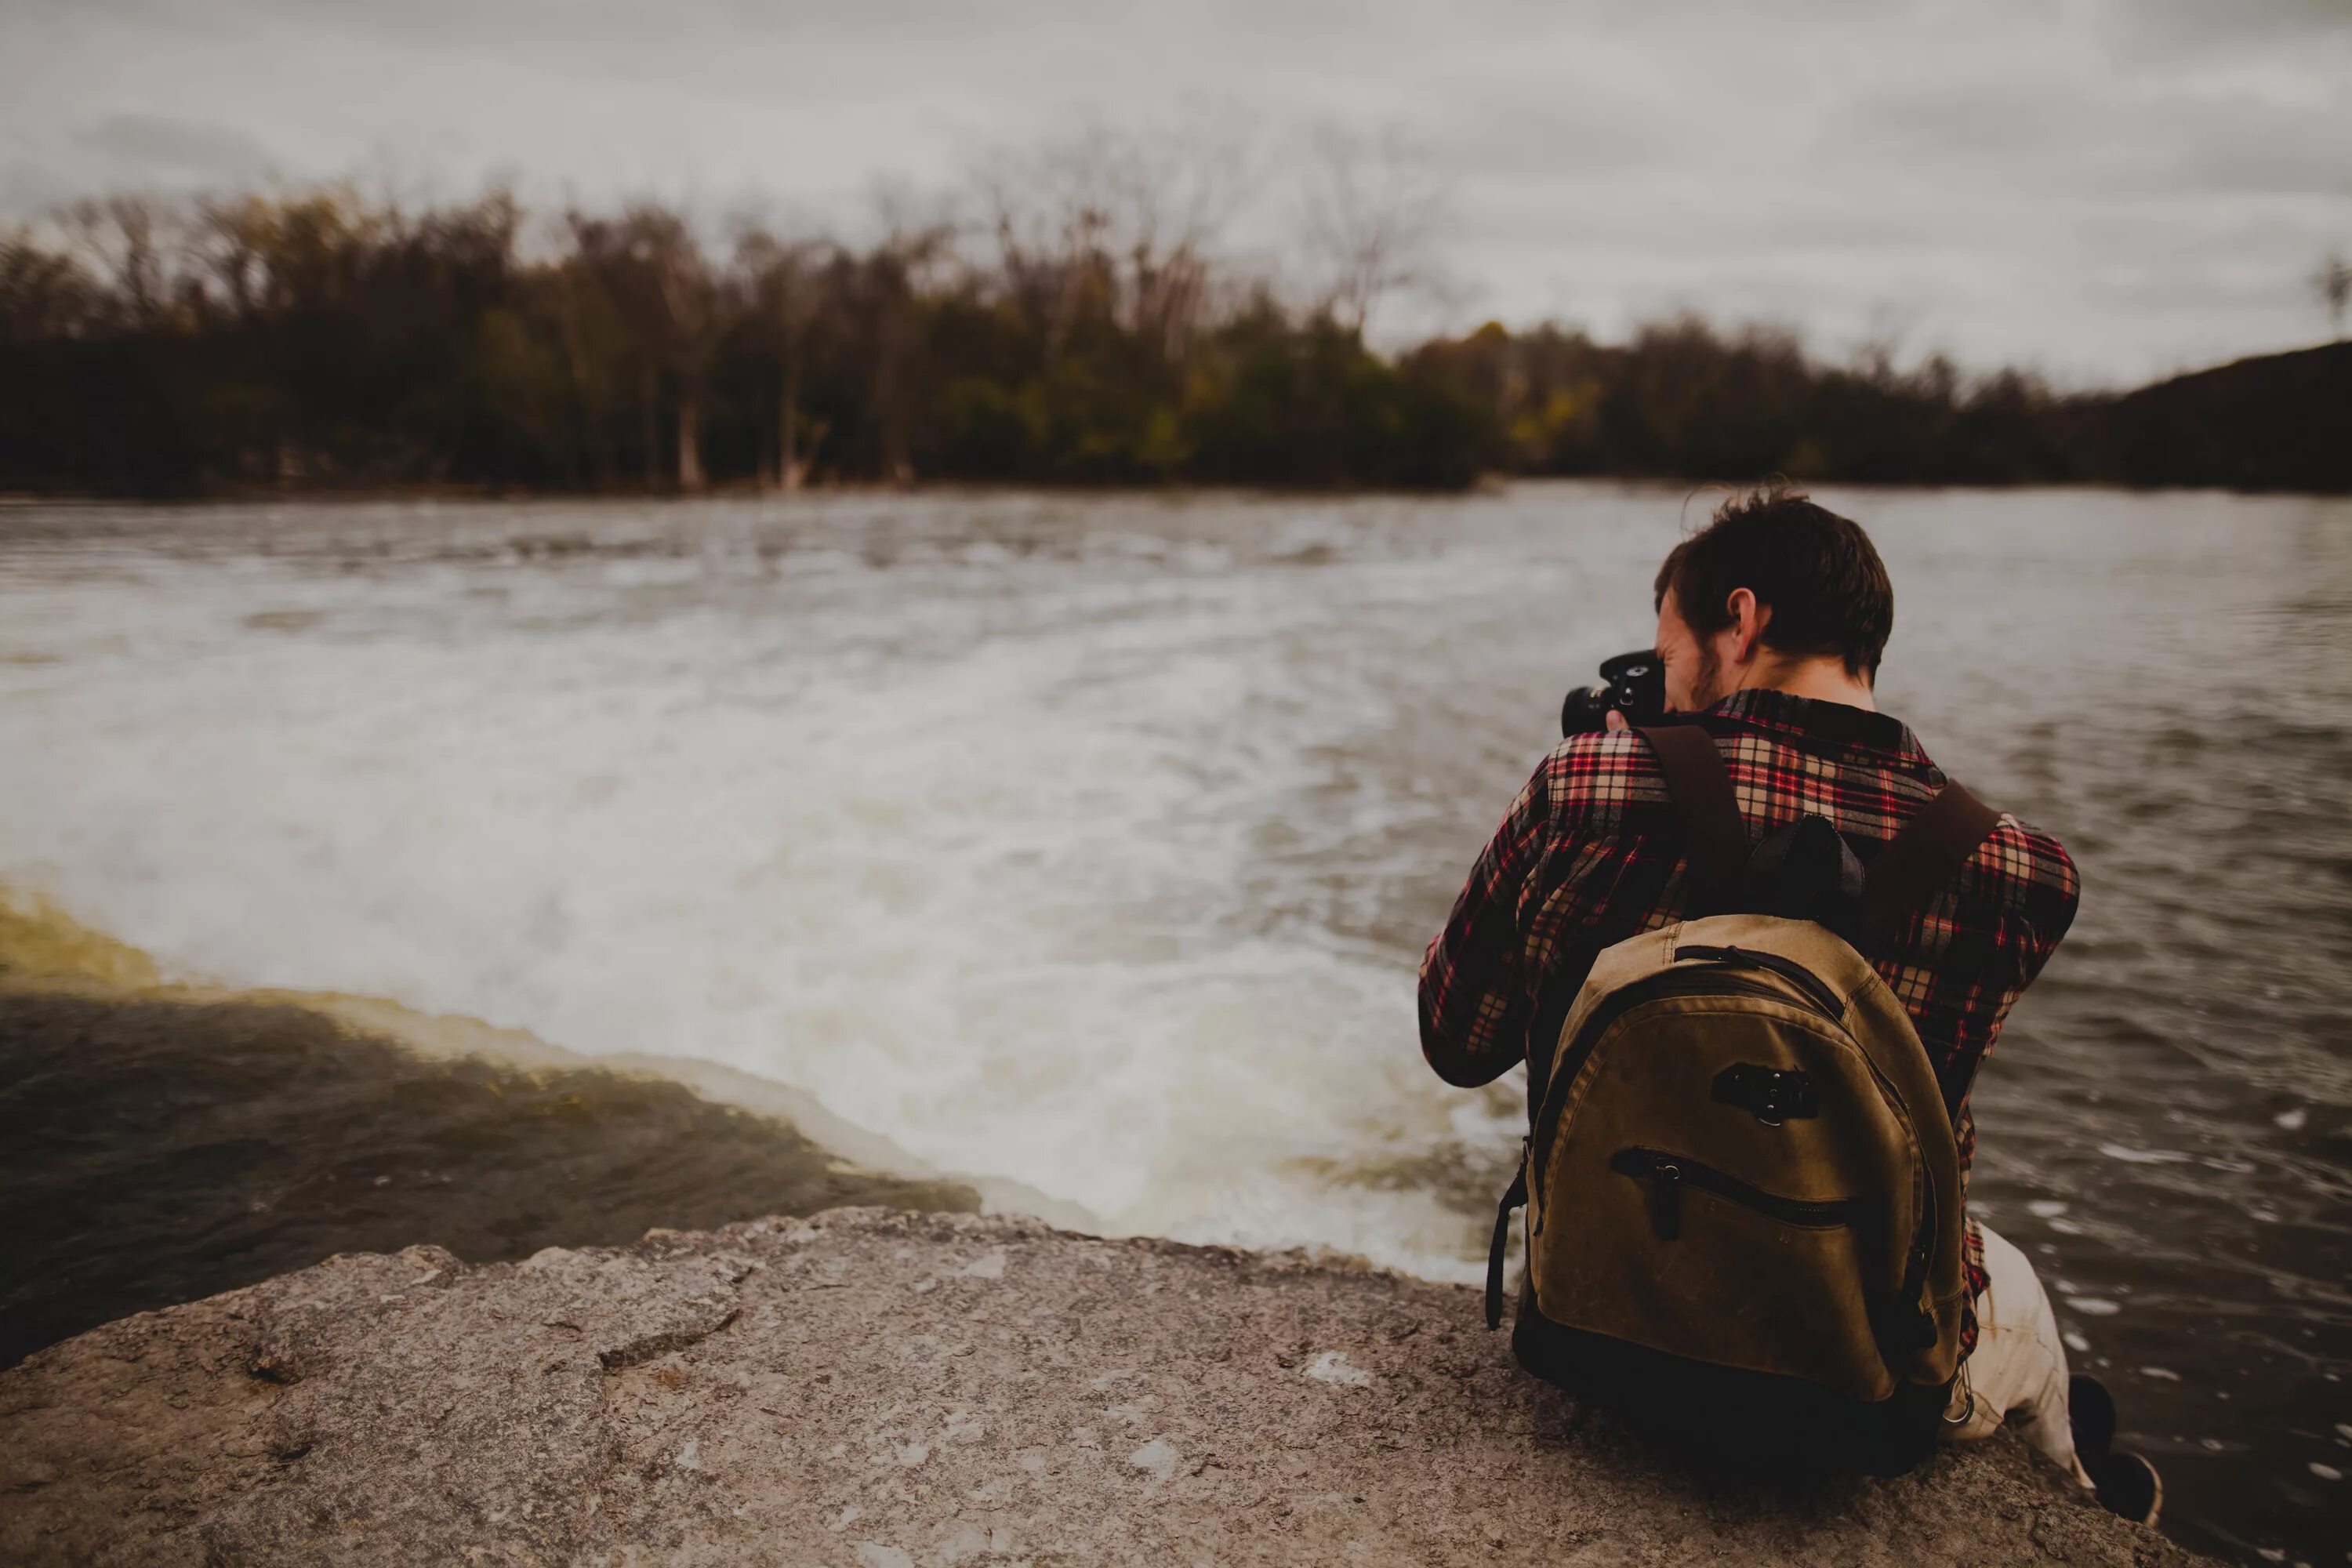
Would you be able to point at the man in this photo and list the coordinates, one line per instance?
(1770, 624)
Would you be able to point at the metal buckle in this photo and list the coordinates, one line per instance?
(1968, 1392)
(1772, 1095)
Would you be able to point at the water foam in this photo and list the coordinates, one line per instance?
(957, 839)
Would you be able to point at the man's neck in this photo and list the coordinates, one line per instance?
(1820, 680)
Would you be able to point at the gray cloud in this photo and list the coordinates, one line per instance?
(142, 142)
(2163, 27)
(2107, 189)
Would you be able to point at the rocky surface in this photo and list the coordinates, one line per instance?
(886, 1389)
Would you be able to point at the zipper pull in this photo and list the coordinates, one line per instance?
(1666, 1199)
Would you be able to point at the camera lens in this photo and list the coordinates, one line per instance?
(1585, 711)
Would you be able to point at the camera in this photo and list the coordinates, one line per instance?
(1633, 683)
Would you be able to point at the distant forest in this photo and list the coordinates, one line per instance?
(322, 341)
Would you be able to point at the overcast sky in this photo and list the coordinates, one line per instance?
(2104, 189)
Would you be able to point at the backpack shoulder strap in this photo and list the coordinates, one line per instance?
(1711, 825)
(1924, 855)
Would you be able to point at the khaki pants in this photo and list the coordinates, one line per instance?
(2017, 1377)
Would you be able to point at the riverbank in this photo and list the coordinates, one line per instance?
(891, 1389)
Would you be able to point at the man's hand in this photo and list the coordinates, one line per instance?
(1616, 722)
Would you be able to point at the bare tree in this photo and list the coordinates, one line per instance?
(133, 245)
(1371, 209)
(233, 242)
(2333, 284)
(688, 298)
(589, 327)
(43, 293)
(902, 271)
(785, 279)
(649, 267)
(1120, 223)
(1050, 213)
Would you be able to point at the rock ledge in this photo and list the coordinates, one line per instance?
(885, 1389)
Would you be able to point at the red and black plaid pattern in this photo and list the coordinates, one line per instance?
(1591, 853)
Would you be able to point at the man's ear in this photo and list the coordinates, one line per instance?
(1748, 621)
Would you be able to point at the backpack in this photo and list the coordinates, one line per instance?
(1742, 1193)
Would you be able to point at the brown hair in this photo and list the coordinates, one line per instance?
(1827, 588)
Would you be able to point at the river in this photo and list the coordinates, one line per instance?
(1083, 848)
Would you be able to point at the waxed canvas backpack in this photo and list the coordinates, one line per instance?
(1741, 1192)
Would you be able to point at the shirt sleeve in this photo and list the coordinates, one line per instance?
(2043, 892)
(2051, 891)
(1473, 999)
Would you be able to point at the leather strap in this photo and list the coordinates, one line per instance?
(1713, 828)
(1922, 858)
(1514, 1197)
(1917, 865)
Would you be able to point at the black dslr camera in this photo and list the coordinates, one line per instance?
(1632, 683)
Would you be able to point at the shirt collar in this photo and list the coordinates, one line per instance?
(1836, 721)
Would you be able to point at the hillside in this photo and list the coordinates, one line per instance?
(2275, 422)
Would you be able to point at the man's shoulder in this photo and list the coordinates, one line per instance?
(1593, 777)
(1599, 772)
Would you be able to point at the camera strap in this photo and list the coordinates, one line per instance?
(1924, 857)
(1711, 826)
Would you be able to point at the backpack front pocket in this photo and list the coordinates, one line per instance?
(1668, 1174)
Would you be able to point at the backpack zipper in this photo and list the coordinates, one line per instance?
(1921, 1328)
(1818, 992)
(1667, 1175)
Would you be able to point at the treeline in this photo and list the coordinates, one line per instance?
(1064, 336)
(1682, 400)
(322, 341)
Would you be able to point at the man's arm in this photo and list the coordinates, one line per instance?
(2050, 891)
(1473, 999)
(2040, 891)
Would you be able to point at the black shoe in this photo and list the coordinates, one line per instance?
(2128, 1487)
(2091, 1412)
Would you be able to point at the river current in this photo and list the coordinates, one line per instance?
(1083, 848)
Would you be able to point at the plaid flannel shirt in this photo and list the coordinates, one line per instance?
(1591, 853)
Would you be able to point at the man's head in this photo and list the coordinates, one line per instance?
(1774, 592)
